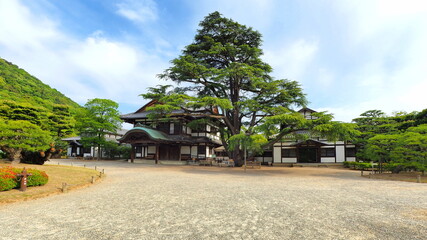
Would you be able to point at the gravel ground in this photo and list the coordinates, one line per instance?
(138, 201)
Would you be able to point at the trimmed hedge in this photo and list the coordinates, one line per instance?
(357, 165)
(10, 180)
(410, 166)
(392, 167)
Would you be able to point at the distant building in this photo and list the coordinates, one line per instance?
(313, 150)
(76, 149)
(169, 139)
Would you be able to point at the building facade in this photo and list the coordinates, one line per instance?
(169, 139)
(76, 149)
(313, 150)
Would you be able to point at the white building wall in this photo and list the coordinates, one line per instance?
(193, 151)
(327, 160)
(171, 128)
(151, 150)
(351, 159)
(289, 160)
(277, 154)
(340, 153)
(185, 149)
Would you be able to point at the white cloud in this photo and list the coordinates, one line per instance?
(82, 69)
(292, 60)
(139, 11)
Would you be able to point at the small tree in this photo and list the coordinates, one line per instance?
(99, 117)
(17, 136)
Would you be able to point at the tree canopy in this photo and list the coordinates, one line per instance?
(399, 140)
(99, 117)
(222, 72)
(18, 135)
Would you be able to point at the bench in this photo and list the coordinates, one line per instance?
(227, 163)
(205, 162)
(253, 164)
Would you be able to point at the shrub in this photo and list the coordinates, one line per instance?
(358, 165)
(38, 178)
(10, 180)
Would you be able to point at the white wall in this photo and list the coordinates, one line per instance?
(171, 128)
(277, 154)
(289, 160)
(151, 150)
(185, 149)
(340, 153)
(193, 150)
(327, 160)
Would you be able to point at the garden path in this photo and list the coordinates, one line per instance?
(138, 201)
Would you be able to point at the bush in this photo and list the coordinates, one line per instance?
(38, 178)
(396, 167)
(7, 179)
(10, 180)
(357, 165)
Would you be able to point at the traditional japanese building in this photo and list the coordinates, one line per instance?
(313, 150)
(169, 139)
(76, 149)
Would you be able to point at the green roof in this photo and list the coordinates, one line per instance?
(152, 133)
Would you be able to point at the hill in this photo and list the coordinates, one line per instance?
(24, 97)
(18, 85)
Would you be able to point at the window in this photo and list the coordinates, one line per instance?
(201, 149)
(289, 153)
(138, 149)
(177, 128)
(87, 150)
(350, 152)
(164, 127)
(327, 152)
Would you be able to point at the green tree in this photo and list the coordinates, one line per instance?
(99, 117)
(222, 73)
(61, 122)
(18, 135)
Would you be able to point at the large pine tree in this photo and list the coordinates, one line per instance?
(223, 70)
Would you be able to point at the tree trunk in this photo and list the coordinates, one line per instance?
(14, 154)
(237, 157)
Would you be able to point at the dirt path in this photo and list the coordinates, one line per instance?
(189, 202)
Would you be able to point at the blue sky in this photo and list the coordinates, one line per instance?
(349, 56)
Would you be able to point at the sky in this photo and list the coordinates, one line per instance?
(350, 56)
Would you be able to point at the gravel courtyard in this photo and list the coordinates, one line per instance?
(138, 201)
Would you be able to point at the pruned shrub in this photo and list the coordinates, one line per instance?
(38, 178)
(9, 178)
(357, 165)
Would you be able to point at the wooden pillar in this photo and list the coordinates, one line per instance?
(132, 153)
(179, 153)
(157, 154)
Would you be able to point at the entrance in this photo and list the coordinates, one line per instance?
(307, 155)
(168, 152)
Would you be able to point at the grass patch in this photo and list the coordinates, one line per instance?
(75, 177)
(403, 176)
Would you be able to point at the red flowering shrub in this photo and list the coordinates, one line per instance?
(9, 178)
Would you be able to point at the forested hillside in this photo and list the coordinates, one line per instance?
(19, 86)
(24, 97)
(33, 116)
